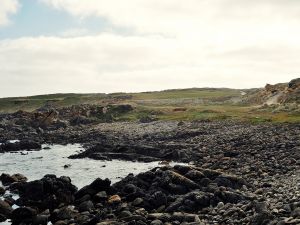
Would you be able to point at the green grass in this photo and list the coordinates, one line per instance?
(31, 103)
(205, 93)
(179, 105)
(211, 113)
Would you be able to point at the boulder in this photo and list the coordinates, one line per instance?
(95, 187)
(7, 179)
(23, 214)
(114, 199)
(47, 193)
(5, 208)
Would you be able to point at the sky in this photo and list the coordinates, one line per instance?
(100, 46)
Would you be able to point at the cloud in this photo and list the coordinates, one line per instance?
(7, 8)
(110, 63)
(199, 18)
(231, 24)
(75, 32)
(167, 44)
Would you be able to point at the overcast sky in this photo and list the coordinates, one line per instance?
(58, 46)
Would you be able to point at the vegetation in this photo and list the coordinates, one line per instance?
(180, 105)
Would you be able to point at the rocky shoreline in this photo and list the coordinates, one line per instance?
(243, 173)
(184, 195)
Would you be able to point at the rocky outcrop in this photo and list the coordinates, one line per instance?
(164, 195)
(277, 94)
(136, 152)
(47, 193)
(49, 118)
(19, 146)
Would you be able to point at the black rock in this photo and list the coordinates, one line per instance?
(5, 208)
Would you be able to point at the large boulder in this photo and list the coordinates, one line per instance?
(47, 193)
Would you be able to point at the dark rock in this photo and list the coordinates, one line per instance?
(2, 190)
(158, 199)
(64, 213)
(5, 208)
(40, 220)
(156, 222)
(29, 145)
(22, 145)
(95, 187)
(2, 218)
(231, 154)
(100, 196)
(262, 218)
(137, 201)
(86, 206)
(25, 214)
(9, 199)
(47, 193)
(296, 213)
(125, 214)
(6, 179)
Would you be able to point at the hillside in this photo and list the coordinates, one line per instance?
(178, 97)
(278, 94)
(278, 102)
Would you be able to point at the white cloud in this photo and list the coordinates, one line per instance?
(109, 63)
(230, 22)
(172, 44)
(74, 32)
(210, 26)
(7, 7)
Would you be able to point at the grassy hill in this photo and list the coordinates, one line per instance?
(179, 104)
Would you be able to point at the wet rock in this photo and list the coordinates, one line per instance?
(64, 213)
(29, 145)
(268, 159)
(2, 218)
(100, 196)
(9, 199)
(158, 199)
(2, 190)
(95, 187)
(47, 193)
(24, 214)
(86, 206)
(5, 208)
(22, 145)
(7, 179)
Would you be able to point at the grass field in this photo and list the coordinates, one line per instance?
(180, 105)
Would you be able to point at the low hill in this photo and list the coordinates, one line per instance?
(176, 97)
(279, 103)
